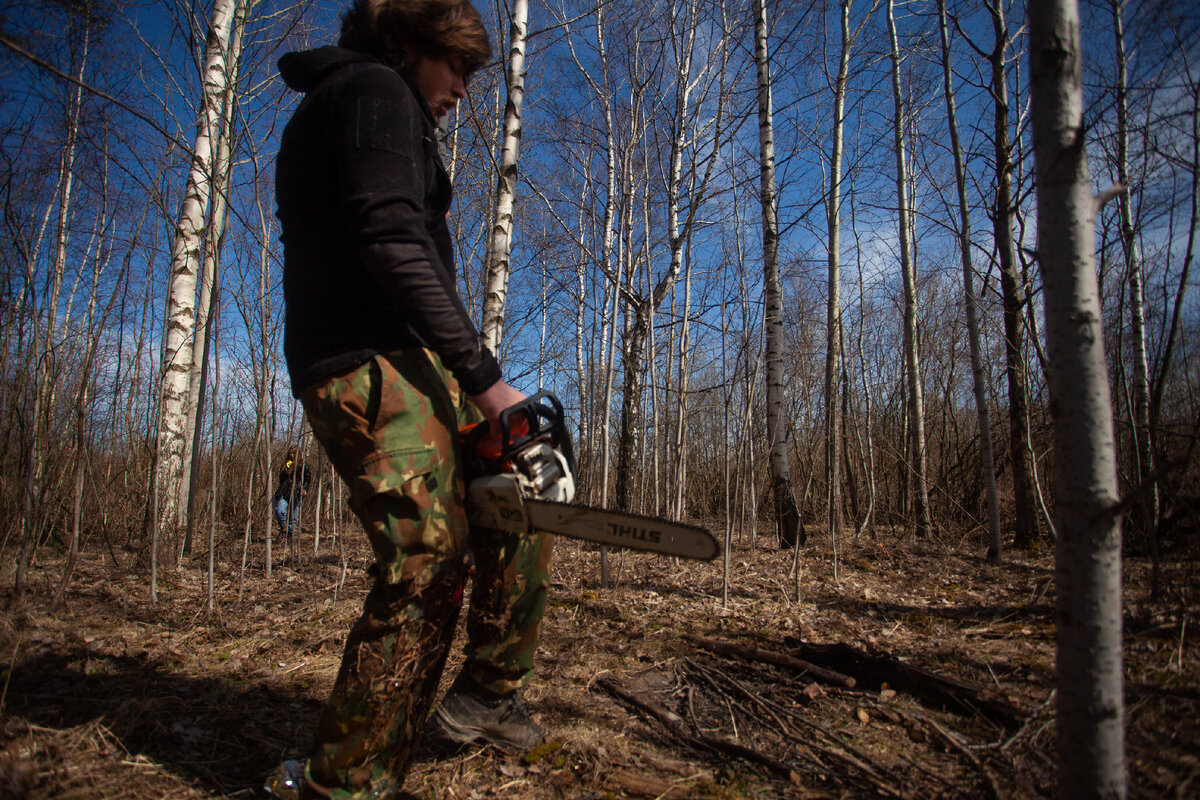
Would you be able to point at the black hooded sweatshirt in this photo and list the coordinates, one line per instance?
(363, 199)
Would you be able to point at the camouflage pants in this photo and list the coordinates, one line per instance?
(390, 428)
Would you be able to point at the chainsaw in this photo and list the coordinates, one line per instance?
(523, 479)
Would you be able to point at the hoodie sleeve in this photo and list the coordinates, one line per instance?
(383, 172)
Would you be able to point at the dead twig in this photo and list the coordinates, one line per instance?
(1029, 721)
(8, 677)
(958, 747)
(704, 672)
(675, 725)
(852, 757)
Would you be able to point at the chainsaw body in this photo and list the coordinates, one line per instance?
(531, 459)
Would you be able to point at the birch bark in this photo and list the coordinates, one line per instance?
(214, 239)
(1088, 558)
(787, 513)
(833, 317)
(685, 133)
(589, 379)
(500, 251)
(607, 242)
(1143, 433)
(179, 336)
(916, 402)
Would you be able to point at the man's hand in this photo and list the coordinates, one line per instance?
(494, 400)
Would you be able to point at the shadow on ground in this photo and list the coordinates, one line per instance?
(223, 734)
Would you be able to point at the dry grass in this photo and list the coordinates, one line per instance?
(110, 696)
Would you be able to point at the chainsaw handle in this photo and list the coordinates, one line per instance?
(534, 418)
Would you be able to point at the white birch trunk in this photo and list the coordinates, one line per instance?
(186, 251)
(686, 133)
(916, 403)
(584, 449)
(214, 238)
(643, 309)
(678, 507)
(833, 316)
(500, 260)
(1091, 752)
(1143, 434)
(607, 240)
(787, 515)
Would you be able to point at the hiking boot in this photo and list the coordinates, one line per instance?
(470, 713)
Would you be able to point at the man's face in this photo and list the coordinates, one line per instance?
(440, 83)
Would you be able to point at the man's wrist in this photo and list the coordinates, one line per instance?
(481, 377)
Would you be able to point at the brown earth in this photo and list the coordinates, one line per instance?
(111, 696)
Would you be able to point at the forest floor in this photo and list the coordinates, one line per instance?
(111, 696)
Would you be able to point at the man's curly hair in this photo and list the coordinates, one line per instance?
(400, 31)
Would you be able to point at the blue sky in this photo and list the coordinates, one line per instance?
(147, 57)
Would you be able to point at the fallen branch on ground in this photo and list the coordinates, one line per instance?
(938, 690)
(771, 657)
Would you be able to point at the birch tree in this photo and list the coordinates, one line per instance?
(787, 513)
(1143, 433)
(833, 351)
(500, 249)
(214, 239)
(46, 322)
(688, 129)
(186, 254)
(916, 403)
(1091, 758)
(602, 89)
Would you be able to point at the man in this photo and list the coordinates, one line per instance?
(388, 366)
(294, 480)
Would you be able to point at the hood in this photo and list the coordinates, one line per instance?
(305, 69)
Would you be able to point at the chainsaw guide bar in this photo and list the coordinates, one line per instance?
(618, 529)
